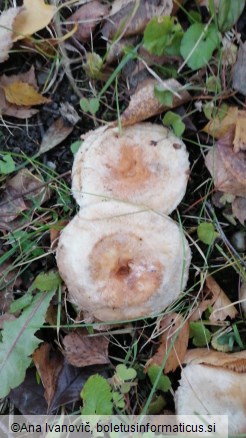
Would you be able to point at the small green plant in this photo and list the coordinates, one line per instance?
(90, 105)
(174, 121)
(206, 233)
(7, 164)
(162, 36)
(199, 334)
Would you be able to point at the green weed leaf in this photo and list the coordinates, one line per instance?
(164, 383)
(97, 396)
(90, 105)
(118, 399)
(7, 164)
(162, 36)
(165, 97)
(21, 303)
(175, 121)
(47, 281)
(208, 42)
(75, 146)
(229, 12)
(206, 233)
(19, 342)
(124, 373)
(200, 335)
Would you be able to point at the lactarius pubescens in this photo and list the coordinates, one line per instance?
(120, 259)
(145, 165)
(120, 262)
(214, 383)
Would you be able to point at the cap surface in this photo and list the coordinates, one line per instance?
(121, 262)
(145, 165)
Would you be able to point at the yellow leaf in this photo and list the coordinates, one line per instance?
(239, 141)
(217, 127)
(21, 93)
(34, 16)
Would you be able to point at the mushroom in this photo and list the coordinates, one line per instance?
(145, 165)
(214, 383)
(121, 262)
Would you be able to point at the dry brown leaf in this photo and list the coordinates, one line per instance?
(238, 72)
(49, 365)
(7, 19)
(239, 209)
(22, 94)
(239, 141)
(133, 16)
(20, 192)
(87, 17)
(222, 305)
(230, 361)
(60, 129)
(175, 327)
(217, 128)
(55, 231)
(227, 167)
(9, 279)
(82, 350)
(34, 16)
(144, 104)
(10, 109)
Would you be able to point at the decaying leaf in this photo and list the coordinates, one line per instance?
(239, 141)
(239, 209)
(227, 167)
(9, 109)
(49, 365)
(233, 361)
(22, 94)
(222, 306)
(19, 194)
(34, 16)
(238, 72)
(218, 127)
(176, 333)
(144, 103)
(60, 129)
(86, 18)
(7, 19)
(9, 279)
(133, 16)
(83, 350)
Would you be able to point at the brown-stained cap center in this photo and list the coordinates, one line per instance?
(125, 270)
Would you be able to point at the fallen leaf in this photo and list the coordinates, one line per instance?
(217, 128)
(7, 19)
(20, 193)
(9, 109)
(226, 167)
(176, 333)
(70, 383)
(239, 141)
(238, 72)
(60, 129)
(82, 350)
(23, 94)
(235, 163)
(49, 365)
(116, 50)
(222, 305)
(144, 104)
(55, 231)
(87, 17)
(33, 17)
(239, 209)
(9, 279)
(133, 16)
(28, 398)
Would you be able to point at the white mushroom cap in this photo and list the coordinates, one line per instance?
(214, 383)
(120, 262)
(145, 165)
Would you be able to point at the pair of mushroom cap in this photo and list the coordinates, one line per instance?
(121, 256)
